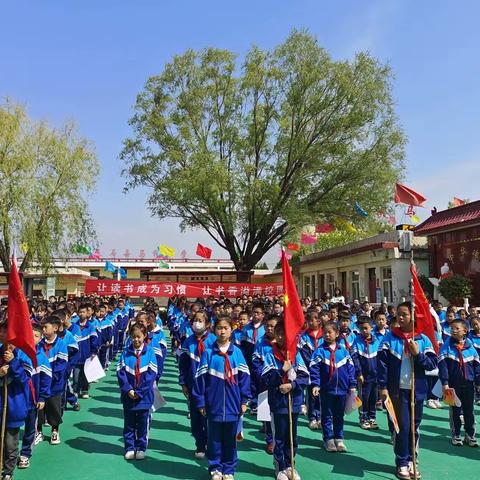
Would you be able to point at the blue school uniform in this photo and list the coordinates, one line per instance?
(237, 337)
(137, 371)
(308, 344)
(446, 331)
(459, 368)
(187, 369)
(105, 336)
(394, 373)
(364, 356)
(250, 336)
(156, 340)
(40, 383)
(18, 380)
(222, 386)
(57, 355)
(475, 339)
(273, 376)
(333, 371)
(376, 332)
(88, 344)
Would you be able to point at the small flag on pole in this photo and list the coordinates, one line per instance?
(203, 251)
(406, 195)
(308, 239)
(458, 202)
(166, 251)
(294, 247)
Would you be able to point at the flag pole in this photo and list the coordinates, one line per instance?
(290, 424)
(412, 393)
(4, 419)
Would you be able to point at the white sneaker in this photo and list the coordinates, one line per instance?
(216, 475)
(341, 447)
(282, 475)
(85, 396)
(412, 473)
(457, 441)
(140, 455)
(200, 454)
(432, 404)
(54, 438)
(38, 438)
(313, 425)
(295, 475)
(228, 476)
(330, 445)
(438, 403)
(130, 455)
(303, 410)
(403, 473)
(23, 462)
(470, 441)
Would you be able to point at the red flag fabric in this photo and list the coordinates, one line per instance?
(292, 310)
(423, 318)
(19, 330)
(203, 251)
(324, 228)
(458, 202)
(406, 195)
(294, 247)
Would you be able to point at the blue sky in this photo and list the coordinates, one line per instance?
(87, 61)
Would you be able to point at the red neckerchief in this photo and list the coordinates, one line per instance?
(314, 336)
(344, 336)
(331, 368)
(460, 347)
(47, 347)
(255, 332)
(229, 376)
(281, 356)
(137, 367)
(367, 344)
(405, 336)
(201, 344)
(82, 326)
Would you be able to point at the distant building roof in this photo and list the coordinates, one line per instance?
(450, 219)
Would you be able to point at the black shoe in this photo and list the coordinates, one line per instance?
(76, 407)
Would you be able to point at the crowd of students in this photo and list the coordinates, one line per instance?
(230, 353)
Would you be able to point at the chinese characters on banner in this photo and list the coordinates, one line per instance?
(191, 290)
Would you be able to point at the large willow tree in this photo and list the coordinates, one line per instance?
(46, 175)
(252, 150)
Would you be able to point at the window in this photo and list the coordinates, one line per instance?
(355, 280)
(331, 284)
(95, 273)
(387, 284)
(306, 292)
(314, 290)
(321, 285)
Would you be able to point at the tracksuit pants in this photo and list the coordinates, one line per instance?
(313, 405)
(402, 443)
(10, 450)
(69, 396)
(29, 431)
(333, 410)
(222, 447)
(135, 429)
(282, 454)
(198, 425)
(466, 394)
(52, 412)
(103, 352)
(80, 382)
(368, 410)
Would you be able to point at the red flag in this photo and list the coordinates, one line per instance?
(204, 252)
(19, 330)
(408, 196)
(423, 318)
(294, 247)
(324, 228)
(458, 202)
(292, 310)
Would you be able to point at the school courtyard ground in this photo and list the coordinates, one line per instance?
(92, 446)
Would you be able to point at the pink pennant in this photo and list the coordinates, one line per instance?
(287, 254)
(308, 239)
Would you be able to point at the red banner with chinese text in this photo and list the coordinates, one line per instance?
(137, 288)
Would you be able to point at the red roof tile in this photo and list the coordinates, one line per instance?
(464, 215)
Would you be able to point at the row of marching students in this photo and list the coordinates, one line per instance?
(64, 340)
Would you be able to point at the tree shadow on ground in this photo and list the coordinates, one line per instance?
(92, 445)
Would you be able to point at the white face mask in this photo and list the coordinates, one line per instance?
(198, 327)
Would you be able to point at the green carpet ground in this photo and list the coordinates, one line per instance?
(92, 446)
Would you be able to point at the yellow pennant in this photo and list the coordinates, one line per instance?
(24, 247)
(415, 219)
(166, 251)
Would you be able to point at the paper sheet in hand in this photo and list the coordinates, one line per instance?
(158, 400)
(450, 398)
(263, 409)
(391, 413)
(437, 389)
(93, 369)
(352, 403)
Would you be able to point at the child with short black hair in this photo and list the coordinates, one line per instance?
(346, 336)
(39, 393)
(332, 375)
(221, 393)
(136, 373)
(364, 355)
(402, 350)
(285, 381)
(57, 354)
(459, 368)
